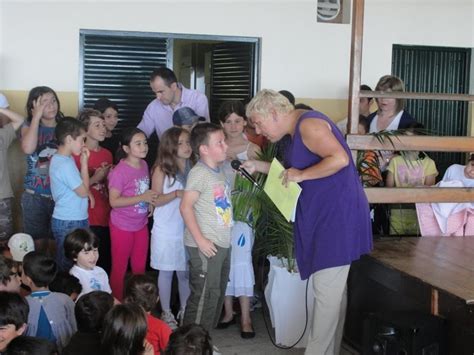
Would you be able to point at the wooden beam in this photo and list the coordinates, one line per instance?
(418, 194)
(355, 64)
(421, 143)
(415, 95)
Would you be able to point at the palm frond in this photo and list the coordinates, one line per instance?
(273, 233)
(366, 167)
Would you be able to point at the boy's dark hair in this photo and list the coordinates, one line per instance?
(13, 309)
(228, 108)
(200, 135)
(26, 345)
(85, 116)
(90, 311)
(40, 268)
(168, 76)
(124, 330)
(103, 104)
(190, 339)
(34, 94)
(288, 95)
(79, 239)
(6, 266)
(66, 283)
(364, 123)
(141, 290)
(68, 126)
(366, 88)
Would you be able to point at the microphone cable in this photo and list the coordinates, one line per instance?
(264, 304)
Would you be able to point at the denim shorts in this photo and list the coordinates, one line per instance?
(60, 230)
(37, 211)
(6, 223)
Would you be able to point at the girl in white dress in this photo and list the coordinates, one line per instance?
(241, 277)
(167, 245)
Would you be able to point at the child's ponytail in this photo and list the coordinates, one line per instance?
(125, 139)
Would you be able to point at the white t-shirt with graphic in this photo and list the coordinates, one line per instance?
(91, 280)
(213, 209)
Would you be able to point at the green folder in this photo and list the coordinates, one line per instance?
(285, 198)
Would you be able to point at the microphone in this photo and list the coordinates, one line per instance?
(236, 165)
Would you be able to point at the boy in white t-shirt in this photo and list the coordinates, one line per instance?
(81, 246)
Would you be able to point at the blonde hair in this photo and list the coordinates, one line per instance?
(267, 100)
(394, 84)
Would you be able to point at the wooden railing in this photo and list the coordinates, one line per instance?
(399, 143)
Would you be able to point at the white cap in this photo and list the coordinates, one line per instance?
(20, 244)
(3, 101)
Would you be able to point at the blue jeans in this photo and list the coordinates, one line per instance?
(37, 211)
(60, 230)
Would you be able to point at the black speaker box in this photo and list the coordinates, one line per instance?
(404, 333)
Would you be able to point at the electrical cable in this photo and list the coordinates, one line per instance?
(264, 304)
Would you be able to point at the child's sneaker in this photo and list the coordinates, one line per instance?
(169, 319)
(180, 317)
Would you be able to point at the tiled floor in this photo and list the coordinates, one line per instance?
(229, 341)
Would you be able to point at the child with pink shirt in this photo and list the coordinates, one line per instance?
(130, 198)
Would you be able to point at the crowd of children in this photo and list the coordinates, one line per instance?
(88, 190)
(46, 322)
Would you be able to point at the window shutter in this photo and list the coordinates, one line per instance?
(436, 70)
(232, 74)
(118, 66)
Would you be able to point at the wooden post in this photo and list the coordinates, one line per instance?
(355, 65)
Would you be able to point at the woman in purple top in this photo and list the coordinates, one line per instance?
(332, 226)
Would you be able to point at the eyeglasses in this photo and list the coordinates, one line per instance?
(18, 273)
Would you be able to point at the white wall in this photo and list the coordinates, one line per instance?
(413, 22)
(39, 43)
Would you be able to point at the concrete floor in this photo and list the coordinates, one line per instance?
(229, 341)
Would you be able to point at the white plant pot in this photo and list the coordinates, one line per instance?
(285, 297)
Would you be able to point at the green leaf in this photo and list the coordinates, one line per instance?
(273, 233)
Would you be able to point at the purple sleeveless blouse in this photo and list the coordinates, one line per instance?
(332, 226)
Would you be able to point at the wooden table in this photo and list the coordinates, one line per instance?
(431, 275)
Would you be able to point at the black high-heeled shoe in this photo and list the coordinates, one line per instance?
(225, 325)
(247, 335)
